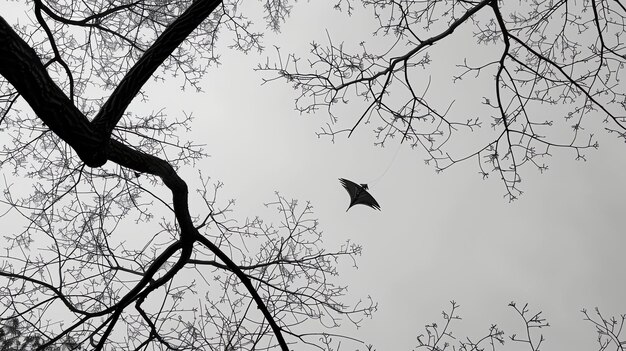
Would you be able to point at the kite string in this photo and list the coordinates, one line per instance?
(375, 180)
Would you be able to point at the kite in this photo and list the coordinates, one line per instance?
(358, 194)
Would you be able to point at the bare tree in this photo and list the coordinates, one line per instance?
(93, 263)
(554, 58)
(440, 336)
(95, 266)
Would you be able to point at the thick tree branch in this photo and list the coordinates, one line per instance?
(141, 162)
(21, 66)
(243, 277)
(111, 112)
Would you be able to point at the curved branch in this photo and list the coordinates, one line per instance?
(22, 68)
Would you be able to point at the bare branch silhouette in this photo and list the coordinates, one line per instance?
(540, 58)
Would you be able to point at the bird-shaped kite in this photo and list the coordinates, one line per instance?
(358, 194)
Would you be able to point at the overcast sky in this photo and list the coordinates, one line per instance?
(439, 237)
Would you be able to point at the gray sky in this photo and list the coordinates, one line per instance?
(438, 238)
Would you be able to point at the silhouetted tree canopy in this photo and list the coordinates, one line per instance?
(13, 338)
(108, 259)
(100, 256)
(549, 74)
